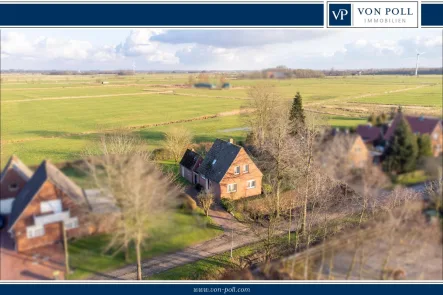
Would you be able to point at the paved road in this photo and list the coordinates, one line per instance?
(219, 245)
(241, 237)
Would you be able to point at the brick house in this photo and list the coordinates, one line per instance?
(12, 180)
(371, 135)
(421, 125)
(48, 199)
(348, 148)
(227, 171)
(189, 164)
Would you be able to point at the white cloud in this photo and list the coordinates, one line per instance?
(218, 49)
(237, 38)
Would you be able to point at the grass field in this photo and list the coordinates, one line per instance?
(55, 117)
(89, 255)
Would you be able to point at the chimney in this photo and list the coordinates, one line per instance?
(231, 140)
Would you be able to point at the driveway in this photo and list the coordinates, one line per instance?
(234, 232)
(36, 264)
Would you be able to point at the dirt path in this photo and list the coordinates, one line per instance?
(87, 96)
(240, 236)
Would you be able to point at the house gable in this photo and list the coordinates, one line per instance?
(252, 174)
(13, 178)
(46, 173)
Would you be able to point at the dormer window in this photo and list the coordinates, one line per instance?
(237, 170)
(13, 187)
(213, 162)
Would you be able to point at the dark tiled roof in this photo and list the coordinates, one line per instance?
(190, 159)
(369, 133)
(46, 171)
(218, 160)
(15, 163)
(421, 125)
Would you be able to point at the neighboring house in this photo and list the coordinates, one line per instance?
(227, 171)
(48, 199)
(12, 180)
(275, 75)
(188, 166)
(371, 135)
(421, 125)
(347, 148)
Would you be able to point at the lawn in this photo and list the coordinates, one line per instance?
(59, 149)
(69, 148)
(427, 96)
(88, 255)
(58, 118)
(60, 129)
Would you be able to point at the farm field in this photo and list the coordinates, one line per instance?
(56, 117)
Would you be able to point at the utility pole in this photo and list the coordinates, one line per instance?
(65, 246)
(232, 234)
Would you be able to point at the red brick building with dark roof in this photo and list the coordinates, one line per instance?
(421, 125)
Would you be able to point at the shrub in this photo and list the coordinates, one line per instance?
(187, 202)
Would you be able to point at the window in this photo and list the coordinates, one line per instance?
(71, 223)
(246, 168)
(215, 161)
(237, 170)
(357, 149)
(183, 171)
(35, 231)
(13, 187)
(435, 135)
(51, 206)
(251, 184)
(232, 188)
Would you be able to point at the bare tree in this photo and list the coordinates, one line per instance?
(177, 140)
(206, 199)
(143, 194)
(305, 144)
(263, 221)
(276, 154)
(263, 100)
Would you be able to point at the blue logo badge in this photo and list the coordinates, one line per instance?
(340, 15)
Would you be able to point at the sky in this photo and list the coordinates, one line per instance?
(217, 49)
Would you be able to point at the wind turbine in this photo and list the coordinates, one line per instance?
(133, 67)
(416, 62)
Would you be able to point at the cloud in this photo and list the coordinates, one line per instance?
(206, 55)
(220, 49)
(236, 38)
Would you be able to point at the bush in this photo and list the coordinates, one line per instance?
(187, 203)
(161, 154)
(227, 204)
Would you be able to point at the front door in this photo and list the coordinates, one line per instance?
(207, 185)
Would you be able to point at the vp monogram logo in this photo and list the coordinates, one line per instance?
(341, 13)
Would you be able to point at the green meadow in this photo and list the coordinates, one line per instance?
(56, 117)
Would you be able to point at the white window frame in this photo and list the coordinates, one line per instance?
(54, 206)
(235, 170)
(71, 223)
(231, 190)
(244, 168)
(435, 135)
(249, 184)
(35, 231)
